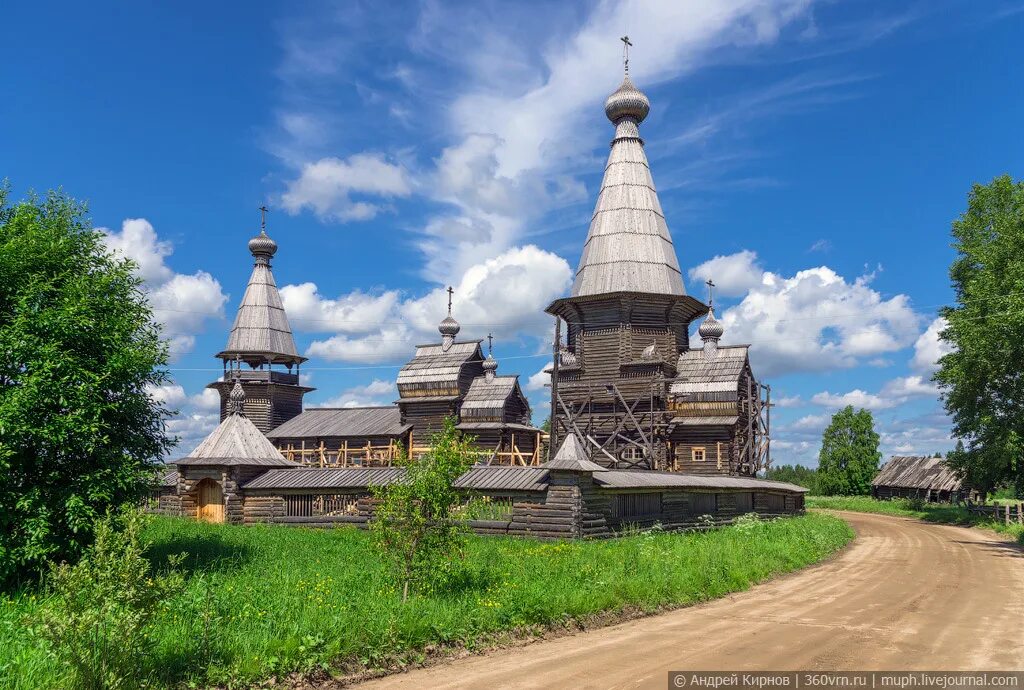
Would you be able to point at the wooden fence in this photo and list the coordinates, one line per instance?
(1007, 513)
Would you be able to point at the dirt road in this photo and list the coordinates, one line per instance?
(905, 596)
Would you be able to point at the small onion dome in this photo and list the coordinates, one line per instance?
(567, 358)
(490, 364)
(712, 328)
(236, 398)
(262, 245)
(449, 326)
(627, 101)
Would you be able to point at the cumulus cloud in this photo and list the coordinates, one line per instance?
(856, 397)
(375, 393)
(170, 395)
(504, 295)
(326, 186)
(816, 320)
(929, 348)
(538, 381)
(733, 274)
(182, 303)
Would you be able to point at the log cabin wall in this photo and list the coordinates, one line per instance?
(572, 506)
(267, 404)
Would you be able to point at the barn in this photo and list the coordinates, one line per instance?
(914, 476)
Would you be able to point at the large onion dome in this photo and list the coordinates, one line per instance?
(627, 101)
(449, 327)
(712, 328)
(262, 245)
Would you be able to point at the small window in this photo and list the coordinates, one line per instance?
(697, 454)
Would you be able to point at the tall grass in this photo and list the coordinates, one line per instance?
(261, 601)
(931, 512)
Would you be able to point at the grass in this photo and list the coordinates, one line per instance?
(264, 601)
(932, 512)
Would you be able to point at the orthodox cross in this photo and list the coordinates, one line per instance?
(450, 291)
(711, 286)
(490, 344)
(625, 53)
(263, 218)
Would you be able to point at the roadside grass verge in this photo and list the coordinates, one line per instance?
(268, 601)
(931, 512)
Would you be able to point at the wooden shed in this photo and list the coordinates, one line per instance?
(915, 476)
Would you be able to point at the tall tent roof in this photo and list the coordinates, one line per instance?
(629, 247)
(261, 331)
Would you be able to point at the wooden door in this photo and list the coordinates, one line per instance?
(211, 501)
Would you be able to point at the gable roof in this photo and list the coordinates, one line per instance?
(236, 441)
(434, 368)
(697, 374)
(319, 422)
(917, 472)
(489, 398)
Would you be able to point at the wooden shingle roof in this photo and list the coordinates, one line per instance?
(328, 422)
(434, 368)
(697, 375)
(479, 478)
(261, 330)
(628, 247)
(236, 441)
(917, 472)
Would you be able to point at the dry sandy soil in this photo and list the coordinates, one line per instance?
(905, 595)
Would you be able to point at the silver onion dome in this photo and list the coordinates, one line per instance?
(627, 101)
(449, 327)
(490, 364)
(262, 245)
(712, 328)
(236, 399)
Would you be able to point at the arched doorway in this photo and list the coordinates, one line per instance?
(210, 501)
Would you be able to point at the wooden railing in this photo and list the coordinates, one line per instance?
(384, 455)
(1007, 513)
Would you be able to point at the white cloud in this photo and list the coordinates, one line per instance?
(326, 186)
(810, 423)
(538, 381)
(505, 295)
(190, 429)
(169, 394)
(856, 397)
(207, 400)
(733, 274)
(905, 387)
(929, 348)
(375, 393)
(182, 303)
(817, 321)
(788, 401)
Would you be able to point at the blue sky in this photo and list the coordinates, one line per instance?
(809, 155)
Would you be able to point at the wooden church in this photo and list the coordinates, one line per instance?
(449, 378)
(625, 380)
(645, 429)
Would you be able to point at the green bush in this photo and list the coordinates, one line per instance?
(98, 618)
(421, 524)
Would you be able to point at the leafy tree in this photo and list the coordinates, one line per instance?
(794, 474)
(98, 620)
(421, 523)
(79, 432)
(849, 455)
(982, 380)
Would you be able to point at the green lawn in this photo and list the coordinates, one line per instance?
(932, 512)
(267, 600)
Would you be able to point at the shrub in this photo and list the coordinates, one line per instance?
(101, 608)
(421, 522)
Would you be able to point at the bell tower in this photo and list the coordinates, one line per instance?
(628, 316)
(261, 353)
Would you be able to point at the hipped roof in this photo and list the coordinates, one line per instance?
(236, 441)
